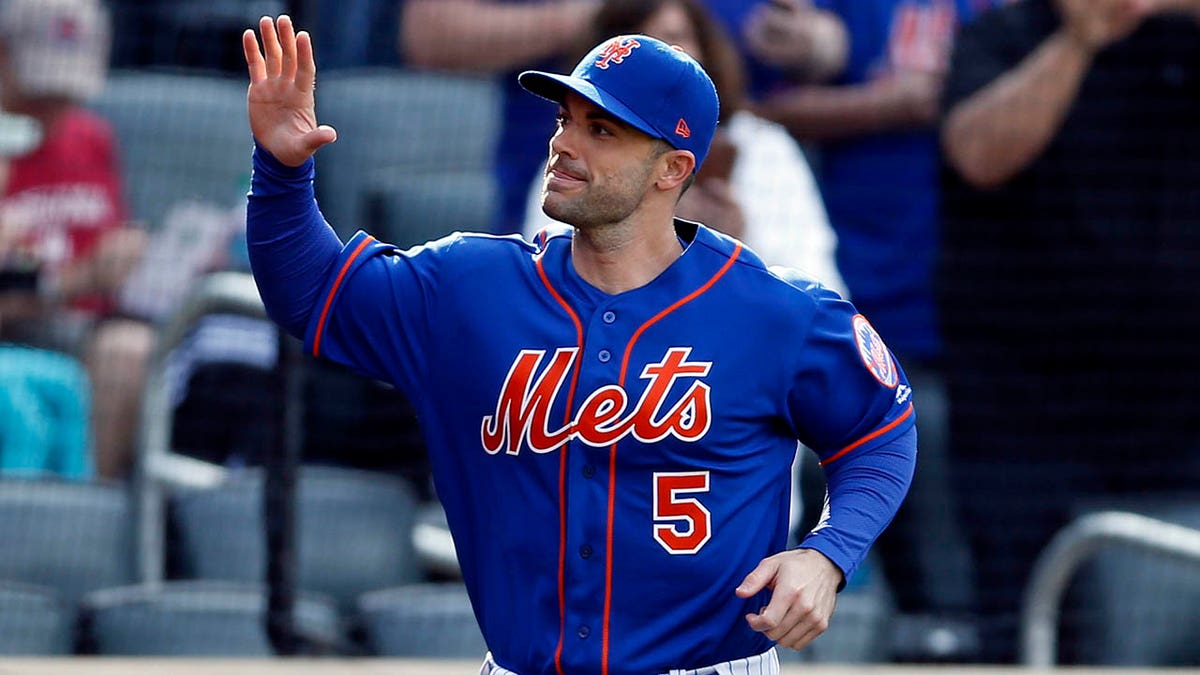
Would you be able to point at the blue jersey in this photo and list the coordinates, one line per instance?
(881, 190)
(611, 466)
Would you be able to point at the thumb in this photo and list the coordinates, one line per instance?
(322, 135)
(760, 578)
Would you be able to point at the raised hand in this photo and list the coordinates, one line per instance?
(280, 100)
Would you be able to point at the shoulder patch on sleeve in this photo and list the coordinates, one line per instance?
(875, 354)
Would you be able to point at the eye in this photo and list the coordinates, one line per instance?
(601, 130)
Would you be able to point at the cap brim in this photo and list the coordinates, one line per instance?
(554, 87)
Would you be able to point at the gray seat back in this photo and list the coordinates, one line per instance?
(422, 620)
(71, 537)
(181, 138)
(354, 532)
(196, 619)
(34, 621)
(414, 153)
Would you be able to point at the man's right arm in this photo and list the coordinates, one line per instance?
(996, 132)
(488, 35)
(292, 250)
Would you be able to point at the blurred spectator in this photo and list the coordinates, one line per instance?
(44, 428)
(784, 41)
(355, 33)
(190, 33)
(755, 184)
(874, 125)
(1071, 262)
(501, 37)
(66, 246)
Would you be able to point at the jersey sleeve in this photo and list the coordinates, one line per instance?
(375, 312)
(851, 403)
(848, 392)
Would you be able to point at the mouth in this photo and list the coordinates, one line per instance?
(557, 176)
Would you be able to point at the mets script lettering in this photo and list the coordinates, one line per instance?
(605, 417)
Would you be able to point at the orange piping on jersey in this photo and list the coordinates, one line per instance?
(873, 435)
(612, 451)
(333, 291)
(562, 470)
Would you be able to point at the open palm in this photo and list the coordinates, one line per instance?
(280, 99)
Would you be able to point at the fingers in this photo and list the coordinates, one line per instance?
(287, 39)
(284, 53)
(777, 618)
(800, 636)
(254, 57)
(318, 137)
(306, 66)
(758, 579)
(271, 47)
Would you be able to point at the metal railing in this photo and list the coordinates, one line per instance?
(1073, 546)
(159, 468)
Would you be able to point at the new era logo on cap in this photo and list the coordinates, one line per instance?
(646, 83)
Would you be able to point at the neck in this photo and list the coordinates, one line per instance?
(624, 256)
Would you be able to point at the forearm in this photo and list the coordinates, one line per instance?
(865, 490)
(292, 250)
(993, 135)
(469, 34)
(831, 112)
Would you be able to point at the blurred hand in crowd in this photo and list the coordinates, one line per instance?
(1095, 24)
(797, 37)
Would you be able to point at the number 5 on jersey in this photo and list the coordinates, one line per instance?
(688, 525)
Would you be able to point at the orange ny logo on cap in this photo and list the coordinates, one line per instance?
(616, 51)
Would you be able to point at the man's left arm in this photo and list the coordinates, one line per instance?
(851, 402)
(864, 492)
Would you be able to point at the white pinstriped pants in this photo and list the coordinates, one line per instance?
(766, 663)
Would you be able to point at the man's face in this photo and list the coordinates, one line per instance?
(600, 168)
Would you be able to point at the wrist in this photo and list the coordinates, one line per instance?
(1076, 43)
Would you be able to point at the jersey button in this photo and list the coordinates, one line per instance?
(604, 356)
(585, 551)
(589, 470)
(584, 631)
(609, 317)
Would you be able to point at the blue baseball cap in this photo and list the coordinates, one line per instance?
(644, 82)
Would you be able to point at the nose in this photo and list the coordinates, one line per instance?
(562, 143)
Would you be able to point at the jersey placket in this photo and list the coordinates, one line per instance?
(588, 479)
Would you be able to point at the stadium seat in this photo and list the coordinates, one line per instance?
(71, 537)
(181, 138)
(354, 531)
(197, 618)
(421, 620)
(34, 621)
(1131, 607)
(413, 157)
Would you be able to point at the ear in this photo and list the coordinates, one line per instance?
(674, 168)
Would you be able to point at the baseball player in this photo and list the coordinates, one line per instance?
(612, 410)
